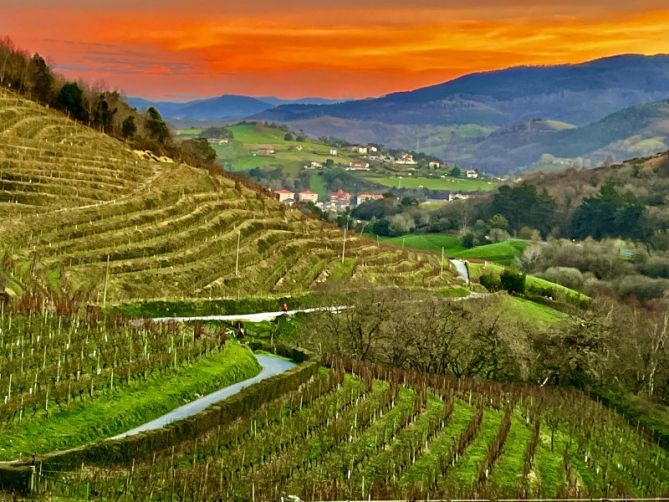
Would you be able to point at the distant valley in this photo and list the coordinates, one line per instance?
(502, 122)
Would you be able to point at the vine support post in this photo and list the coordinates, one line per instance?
(343, 247)
(104, 294)
(239, 238)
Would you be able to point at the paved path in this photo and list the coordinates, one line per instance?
(461, 267)
(259, 317)
(271, 366)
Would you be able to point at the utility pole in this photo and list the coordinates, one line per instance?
(104, 294)
(343, 247)
(442, 260)
(239, 238)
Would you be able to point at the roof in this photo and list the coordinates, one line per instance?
(283, 190)
(307, 192)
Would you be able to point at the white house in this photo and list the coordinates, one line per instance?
(333, 152)
(284, 195)
(406, 159)
(434, 164)
(472, 173)
(358, 165)
(307, 196)
(364, 197)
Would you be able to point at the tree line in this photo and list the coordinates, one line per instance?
(95, 106)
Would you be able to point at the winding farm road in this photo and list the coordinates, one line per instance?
(259, 317)
(271, 366)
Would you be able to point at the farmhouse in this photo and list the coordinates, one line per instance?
(362, 150)
(307, 196)
(266, 150)
(364, 197)
(472, 173)
(333, 152)
(339, 200)
(406, 159)
(358, 165)
(434, 164)
(285, 196)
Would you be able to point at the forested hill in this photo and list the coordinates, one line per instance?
(627, 200)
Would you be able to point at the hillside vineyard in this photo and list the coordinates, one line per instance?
(82, 205)
(359, 431)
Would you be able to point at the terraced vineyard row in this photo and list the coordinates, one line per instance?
(379, 433)
(84, 208)
(47, 161)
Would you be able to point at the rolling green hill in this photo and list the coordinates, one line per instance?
(84, 210)
(250, 146)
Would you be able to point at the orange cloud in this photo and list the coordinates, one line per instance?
(351, 49)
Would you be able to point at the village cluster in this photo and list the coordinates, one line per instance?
(341, 200)
(337, 201)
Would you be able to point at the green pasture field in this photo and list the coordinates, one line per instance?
(447, 183)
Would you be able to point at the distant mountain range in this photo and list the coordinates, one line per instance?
(578, 94)
(500, 121)
(221, 108)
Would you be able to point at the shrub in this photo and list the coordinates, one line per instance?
(642, 287)
(655, 267)
(491, 282)
(467, 241)
(512, 281)
(567, 276)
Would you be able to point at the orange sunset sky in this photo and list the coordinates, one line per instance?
(185, 49)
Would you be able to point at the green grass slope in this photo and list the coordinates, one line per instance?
(504, 253)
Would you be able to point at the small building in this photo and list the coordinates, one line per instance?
(405, 159)
(358, 165)
(364, 197)
(472, 173)
(372, 149)
(316, 165)
(333, 152)
(340, 199)
(285, 196)
(457, 196)
(266, 150)
(307, 196)
(362, 150)
(434, 164)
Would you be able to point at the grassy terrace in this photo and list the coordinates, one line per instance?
(157, 229)
(68, 383)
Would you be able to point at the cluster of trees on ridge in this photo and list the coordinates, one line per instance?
(96, 107)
